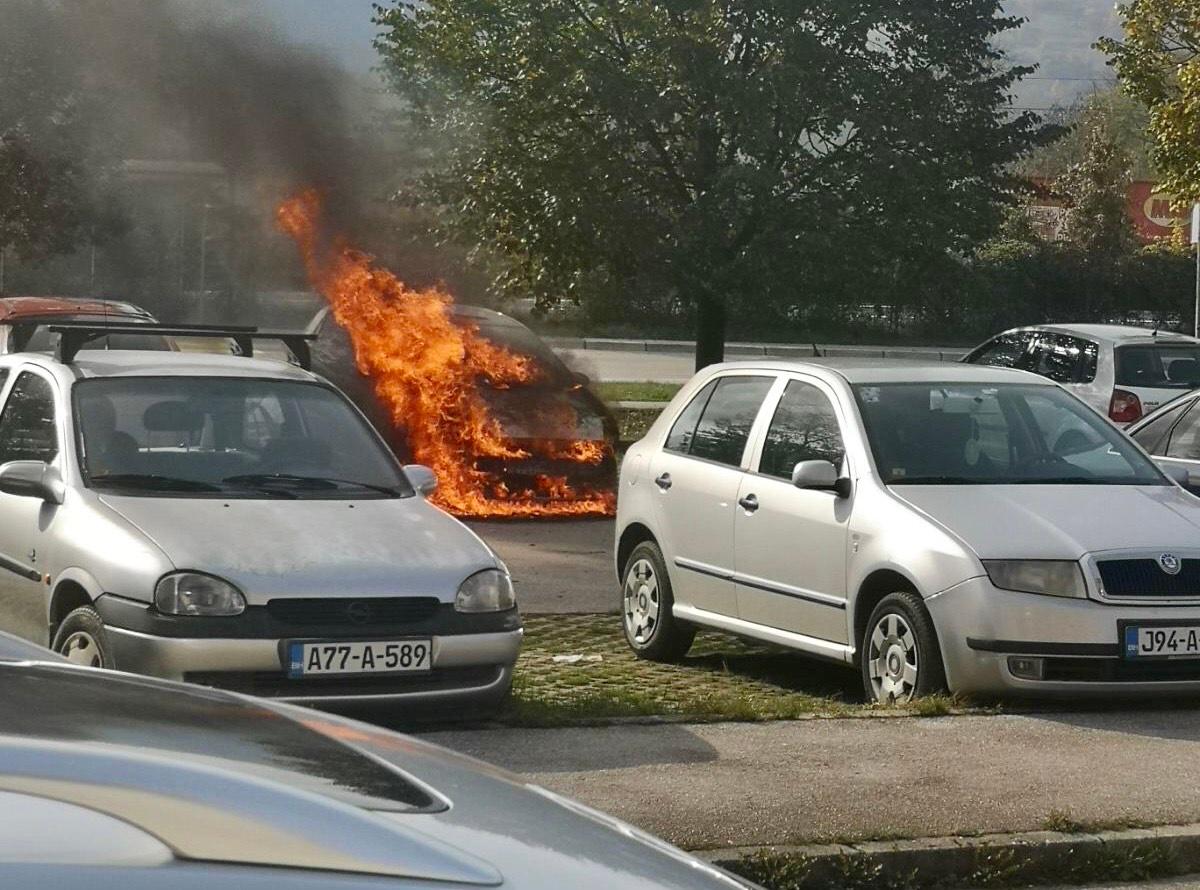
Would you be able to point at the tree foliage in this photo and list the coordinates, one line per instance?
(45, 206)
(1094, 189)
(720, 155)
(1159, 63)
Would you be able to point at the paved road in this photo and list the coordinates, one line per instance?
(736, 784)
(557, 565)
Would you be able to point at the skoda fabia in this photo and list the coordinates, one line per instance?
(934, 526)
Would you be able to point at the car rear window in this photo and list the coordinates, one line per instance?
(202, 726)
(1159, 366)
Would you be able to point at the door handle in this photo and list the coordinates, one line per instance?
(749, 503)
(663, 481)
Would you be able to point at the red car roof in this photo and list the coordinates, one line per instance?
(13, 309)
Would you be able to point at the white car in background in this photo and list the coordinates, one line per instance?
(1122, 372)
(929, 524)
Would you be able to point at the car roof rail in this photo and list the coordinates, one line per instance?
(205, 812)
(74, 335)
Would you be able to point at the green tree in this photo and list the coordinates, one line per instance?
(1158, 62)
(721, 155)
(1094, 189)
(44, 182)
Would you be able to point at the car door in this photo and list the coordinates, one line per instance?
(790, 543)
(697, 474)
(1180, 444)
(28, 431)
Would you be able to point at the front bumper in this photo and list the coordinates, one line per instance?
(472, 656)
(1075, 644)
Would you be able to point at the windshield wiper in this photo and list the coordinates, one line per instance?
(153, 480)
(316, 482)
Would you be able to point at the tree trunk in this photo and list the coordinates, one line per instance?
(710, 331)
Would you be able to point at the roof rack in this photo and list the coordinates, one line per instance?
(74, 335)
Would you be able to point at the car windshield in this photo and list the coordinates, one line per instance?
(981, 434)
(229, 437)
(1159, 367)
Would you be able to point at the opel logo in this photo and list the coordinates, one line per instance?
(360, 612)
(1170, 563)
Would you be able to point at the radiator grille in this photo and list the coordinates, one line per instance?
(365, 612)
(1146, 578)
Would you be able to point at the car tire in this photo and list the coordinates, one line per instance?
(651, 629)
(81, 639)
(901, 659)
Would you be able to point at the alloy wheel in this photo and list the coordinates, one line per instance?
(892, 659)
(641, 602)
(81, 648)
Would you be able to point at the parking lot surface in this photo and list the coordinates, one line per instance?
(557, 566)
(730, 784)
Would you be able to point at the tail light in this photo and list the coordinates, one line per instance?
(1125, 407)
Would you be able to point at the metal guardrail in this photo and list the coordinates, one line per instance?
(777, 350)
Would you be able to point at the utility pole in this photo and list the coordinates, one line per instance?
(1196, 247)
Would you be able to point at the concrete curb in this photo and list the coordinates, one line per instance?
(955, 858)
(778, 350)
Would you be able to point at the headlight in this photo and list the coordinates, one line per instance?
(190, 593)
(1056, 577)
(488, 591)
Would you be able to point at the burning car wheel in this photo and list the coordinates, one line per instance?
(651, 629)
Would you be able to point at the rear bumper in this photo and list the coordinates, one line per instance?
(465, 667)
(1071, 647)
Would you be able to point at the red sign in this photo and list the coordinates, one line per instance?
(1151, 211)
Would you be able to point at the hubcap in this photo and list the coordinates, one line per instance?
(892, 660)
(641, 602)
(81, 648)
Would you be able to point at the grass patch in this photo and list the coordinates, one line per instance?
(646, 391)
(597, 677)
(1063, 821)
(634, 422)
(992, 867)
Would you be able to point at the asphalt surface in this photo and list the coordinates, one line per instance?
(739, 784)
(557, 565)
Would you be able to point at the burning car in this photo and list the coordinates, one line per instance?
(551, 419)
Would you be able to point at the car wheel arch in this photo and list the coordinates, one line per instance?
(633, 534)
(874, 587)
(69, 594)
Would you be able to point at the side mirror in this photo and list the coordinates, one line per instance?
(820, 475)
(32, 479)
(423, 479)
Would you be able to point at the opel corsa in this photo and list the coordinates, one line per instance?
(235, 522)
(936, 526)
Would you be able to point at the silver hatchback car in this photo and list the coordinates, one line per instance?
(235, 522)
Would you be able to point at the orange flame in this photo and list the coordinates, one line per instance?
(427, 369)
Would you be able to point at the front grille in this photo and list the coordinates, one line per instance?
(1145, 578)
(363, 612)
(1116, 670)
(273, 684)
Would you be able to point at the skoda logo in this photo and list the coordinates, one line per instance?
(360, 612)
(1170, 563)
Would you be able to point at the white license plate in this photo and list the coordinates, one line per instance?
(374, 657)
(1179, 641)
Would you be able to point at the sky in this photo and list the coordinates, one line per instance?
(1058, 36)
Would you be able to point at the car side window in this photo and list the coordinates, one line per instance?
(1090, 352)
(1003, 351)
(684, 428)
(724, 426)
(804, 427)
(27, 425)
(1057, 356)
(1184, 442)
(1152, 437)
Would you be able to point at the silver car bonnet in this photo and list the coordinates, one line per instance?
(311, 547)
(1059, 521)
